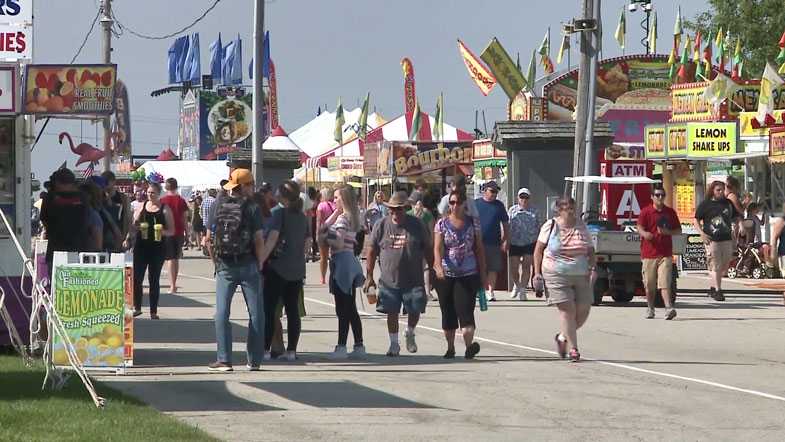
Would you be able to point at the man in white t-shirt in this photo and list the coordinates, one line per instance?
(458, 182)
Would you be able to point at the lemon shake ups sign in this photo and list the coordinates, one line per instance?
(91, 304)
(707, 140)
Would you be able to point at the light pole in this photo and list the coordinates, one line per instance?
(258, 95)
(646, 6)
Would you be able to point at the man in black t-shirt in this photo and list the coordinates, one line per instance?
(64, 214)
(714, 219)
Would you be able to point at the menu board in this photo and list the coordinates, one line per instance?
(694, 257)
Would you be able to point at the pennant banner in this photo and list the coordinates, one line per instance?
(482, 77)
(273, 97)
(409, 93)
(502, 66)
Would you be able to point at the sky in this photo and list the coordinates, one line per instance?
(322, 50)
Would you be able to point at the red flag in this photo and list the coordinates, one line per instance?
(782, 40)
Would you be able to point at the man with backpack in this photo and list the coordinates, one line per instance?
(238, 249)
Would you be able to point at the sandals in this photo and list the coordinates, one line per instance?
(575, 356)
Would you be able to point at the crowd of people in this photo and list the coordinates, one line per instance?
(261, 238)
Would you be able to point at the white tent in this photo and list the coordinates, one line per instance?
(278, 140)
(191, 175)
(317, 135)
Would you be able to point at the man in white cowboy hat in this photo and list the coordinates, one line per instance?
(401, 243)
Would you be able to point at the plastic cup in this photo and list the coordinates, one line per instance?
(143, 229)
(158, 231)
(371, 295)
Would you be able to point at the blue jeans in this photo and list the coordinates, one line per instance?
(248, 278)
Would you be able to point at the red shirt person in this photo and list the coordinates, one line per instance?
(657, 224)
(174, 245)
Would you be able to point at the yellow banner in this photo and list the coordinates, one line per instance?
(745, 124)
(688, 104)
(677, 141)
(706, 140)
(777, 145)
(654, 142)
(483, 78)
(505, 70)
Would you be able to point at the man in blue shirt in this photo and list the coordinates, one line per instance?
(494, 224)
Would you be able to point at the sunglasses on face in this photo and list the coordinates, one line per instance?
(659, 195)
(523, 197)
(454, 202)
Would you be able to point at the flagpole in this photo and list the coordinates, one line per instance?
(258, 94)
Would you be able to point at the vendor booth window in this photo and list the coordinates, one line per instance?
(7, 172)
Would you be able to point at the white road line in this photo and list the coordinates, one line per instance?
(550, 352)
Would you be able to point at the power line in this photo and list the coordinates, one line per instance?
(123, 27)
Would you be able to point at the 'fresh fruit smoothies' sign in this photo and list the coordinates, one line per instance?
(91, 304)
(69, 89)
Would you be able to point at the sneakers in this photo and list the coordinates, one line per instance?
(491, 296)
(411, 345)
(515, 292)
(575, 355)
(716, 294)
(359, 352)
(291, 356)
(253, 367)
(394, 350)
(219, 366)
(522, 294)
(137, 313)
(339, 353)
(561, 346)
(649, 312)
(670, 314)
(472, 350)
(267, 356)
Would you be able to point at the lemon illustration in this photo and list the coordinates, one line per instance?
(114, 341)
(113, 360)
(81, 343)
(60, 357)
(96, 341)
(102, 348)
(81, 354)
(110, 330)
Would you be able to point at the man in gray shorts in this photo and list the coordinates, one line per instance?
(495, 228)
(401, 243)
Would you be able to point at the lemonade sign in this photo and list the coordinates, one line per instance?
(91, 304)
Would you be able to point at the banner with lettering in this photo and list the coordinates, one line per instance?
(415, 159)
(57, 89)
(483, 78)
(507, 73)
(705, 140)
(90, 302)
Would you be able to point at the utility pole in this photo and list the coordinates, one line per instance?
(588, 160)
(581, 110)
(106, 23)
(258, 94)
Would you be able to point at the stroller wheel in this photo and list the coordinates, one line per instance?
(758, 273)
(732, 273)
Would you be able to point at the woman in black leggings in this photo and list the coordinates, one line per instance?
(152, 222)
(285, 270)
(346, 274)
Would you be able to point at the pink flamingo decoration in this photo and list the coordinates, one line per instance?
(87, 153)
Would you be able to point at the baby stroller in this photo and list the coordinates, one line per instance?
(750, 263)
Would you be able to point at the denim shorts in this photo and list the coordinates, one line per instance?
(391, 299)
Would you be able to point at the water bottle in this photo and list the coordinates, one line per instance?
(539, 285)
(483, 299)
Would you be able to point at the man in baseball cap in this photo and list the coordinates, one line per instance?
(494, 224)
(524, 227)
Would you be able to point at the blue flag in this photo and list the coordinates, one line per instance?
(227, 63)
(265, 58)
(193, 68)
(233, 62)
(177, 53)
(216, 59)
(180, 73)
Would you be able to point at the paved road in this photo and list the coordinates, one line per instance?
(714, 373)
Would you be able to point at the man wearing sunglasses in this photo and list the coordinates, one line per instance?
(495, 228)
(657, 224)
(524, 228)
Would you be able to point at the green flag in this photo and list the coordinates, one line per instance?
(621, 30)
(503, 68)
(653, 35)
(532, 73)
(438, 128)
(781, 56)
(339, 122)
(363, 120)
(414, 133)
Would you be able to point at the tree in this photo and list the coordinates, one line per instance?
(759, 24)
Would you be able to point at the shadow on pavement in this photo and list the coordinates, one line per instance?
(169, 396)
(185, 331)
(172, 301)
(340, 394)
(168, 357)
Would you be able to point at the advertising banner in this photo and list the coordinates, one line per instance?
(683, 191)
(56, 89)
(122, 115)
(621, 202)
(16, 11)
(677, 141)
(128, 330)
(225, 121)
(746, 130)
(188, 136)
(615, 78)
(507, 74)
(16, 30)
(777, 145)
(706, 140)
(484, 150)
(414, 159)
(346, 166)
(9, 90)
(654, 142)
(90, 301)
(694, 256)
(689, 104)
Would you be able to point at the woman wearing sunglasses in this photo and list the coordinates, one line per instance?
(563, 259)
(459, 262)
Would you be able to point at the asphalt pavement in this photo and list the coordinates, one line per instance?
(714, 373)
